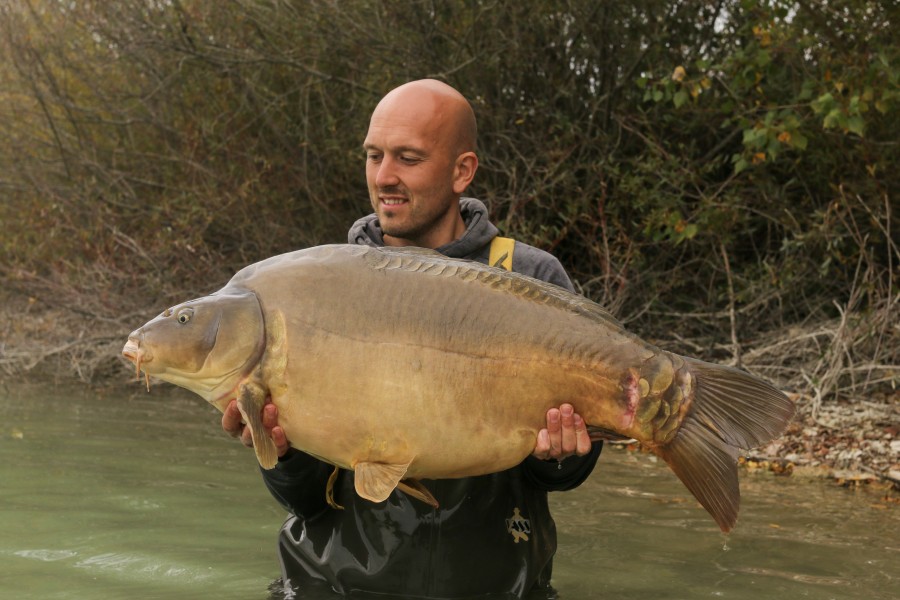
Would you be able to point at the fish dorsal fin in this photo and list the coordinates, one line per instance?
(375, 481)
(412, 251)
(436, 264)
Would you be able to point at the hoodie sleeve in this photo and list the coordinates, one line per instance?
(539, 264)
(298, 483)
(553, 476)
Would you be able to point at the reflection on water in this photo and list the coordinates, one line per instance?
(123, 494)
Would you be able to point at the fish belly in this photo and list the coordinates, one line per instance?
(447, 414)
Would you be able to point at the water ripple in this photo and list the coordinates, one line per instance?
(801, 577)
(46, 555)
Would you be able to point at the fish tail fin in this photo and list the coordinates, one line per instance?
(731, 410)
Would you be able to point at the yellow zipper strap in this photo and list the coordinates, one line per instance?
(502, 252)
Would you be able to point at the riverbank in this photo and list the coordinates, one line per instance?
(850, 441)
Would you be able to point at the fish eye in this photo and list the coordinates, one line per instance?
(184, 315)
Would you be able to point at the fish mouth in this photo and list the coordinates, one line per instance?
(133, 352)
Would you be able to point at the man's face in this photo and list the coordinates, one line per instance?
(410, 166)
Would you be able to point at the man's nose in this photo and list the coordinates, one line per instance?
(386, 175)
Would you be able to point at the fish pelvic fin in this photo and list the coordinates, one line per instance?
(375, 481)
(730, 410)
(250, 401)
(329, 490)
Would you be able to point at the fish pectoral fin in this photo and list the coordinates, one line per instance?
(414, 488)
(250, 401)
(375, 481)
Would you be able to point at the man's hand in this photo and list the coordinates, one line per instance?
(565, 435)
(233, 425)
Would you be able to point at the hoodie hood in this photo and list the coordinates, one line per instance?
(479, 231)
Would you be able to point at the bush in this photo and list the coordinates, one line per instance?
(717, 173)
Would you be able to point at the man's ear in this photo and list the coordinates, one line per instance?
(464, 171)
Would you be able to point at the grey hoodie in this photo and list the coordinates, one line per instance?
(474, 244)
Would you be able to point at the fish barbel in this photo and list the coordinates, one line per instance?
(403, 364)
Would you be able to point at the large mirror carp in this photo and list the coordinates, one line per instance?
(402, 364)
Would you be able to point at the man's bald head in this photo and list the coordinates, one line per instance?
(447, 111)
(420, 157)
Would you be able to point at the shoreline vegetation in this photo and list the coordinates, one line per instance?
(721, 176)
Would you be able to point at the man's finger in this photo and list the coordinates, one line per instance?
(231, 420)
(270, 415)
(567, 427)
(247, 437)
(542, 446)
(281, 443)
(553, 432)
(582, 438)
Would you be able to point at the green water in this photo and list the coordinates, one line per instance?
(128, 495)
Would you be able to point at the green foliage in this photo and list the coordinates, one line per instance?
(667, 152)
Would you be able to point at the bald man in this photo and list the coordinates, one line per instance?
(493, 534)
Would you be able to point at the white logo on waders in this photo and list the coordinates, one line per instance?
(518, 526)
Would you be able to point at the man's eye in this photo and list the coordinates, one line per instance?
(410, 159)
(373, 156)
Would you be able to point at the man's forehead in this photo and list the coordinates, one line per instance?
(399, 136)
